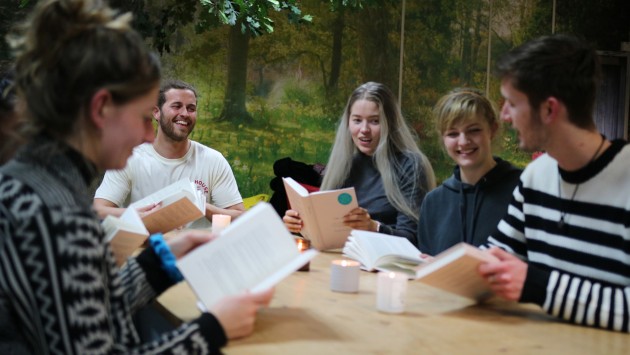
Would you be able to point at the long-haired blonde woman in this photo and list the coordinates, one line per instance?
(375, 152)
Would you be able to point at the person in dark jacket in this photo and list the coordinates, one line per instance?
(468, 206)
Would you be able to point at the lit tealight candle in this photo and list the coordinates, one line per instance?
(344, 276)
(303, 245)
(220, 221)
(391, 290)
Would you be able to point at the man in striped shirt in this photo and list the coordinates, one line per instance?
(565, 240)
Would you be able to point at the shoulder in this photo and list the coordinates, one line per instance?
(504, 172)
(537, 172)
(144, 149)
(142, 154)
(204, 151)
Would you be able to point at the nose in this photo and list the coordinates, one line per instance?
(183, 112)
(365, 127)
(463, 138)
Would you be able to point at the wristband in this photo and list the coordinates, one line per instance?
(163, 252)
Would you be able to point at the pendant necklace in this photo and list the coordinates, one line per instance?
(564, 213)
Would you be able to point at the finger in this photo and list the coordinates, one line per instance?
(500, 253)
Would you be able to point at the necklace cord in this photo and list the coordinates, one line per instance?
(563, 213)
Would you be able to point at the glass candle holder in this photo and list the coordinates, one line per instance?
(303, 245)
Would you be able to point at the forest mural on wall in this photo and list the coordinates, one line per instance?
(274, 76)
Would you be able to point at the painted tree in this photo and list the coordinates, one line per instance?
(248, 18)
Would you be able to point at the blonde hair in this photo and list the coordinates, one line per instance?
(463, 105)
(395, 139)
(69, 49)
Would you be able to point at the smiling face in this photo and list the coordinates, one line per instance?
(364, 125)
(469, 144)
(525, 120)
(178, 114)
(125, 127)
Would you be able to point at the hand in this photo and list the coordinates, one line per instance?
(506, 277)
(148, 209)
(188, 240)
(292, 221)
(359, 218)
(238, 313)
(426, 257)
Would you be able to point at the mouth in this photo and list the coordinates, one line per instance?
(466, 152)
(182, 123)
(365, 140)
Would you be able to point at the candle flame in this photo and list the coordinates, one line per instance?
(344, 263)
(392, 275)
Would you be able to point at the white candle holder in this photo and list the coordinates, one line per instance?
(344, 276)
(391, 291)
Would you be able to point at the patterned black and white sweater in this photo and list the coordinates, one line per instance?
(60, 290)
(579, 271)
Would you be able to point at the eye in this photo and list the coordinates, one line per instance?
(192, 109)
(375, 121)
(452, 134)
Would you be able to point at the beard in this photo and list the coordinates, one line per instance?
(168, 128)
(535, 135)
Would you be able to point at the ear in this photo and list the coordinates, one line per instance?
(550, 110)
(100, 108)
(156, 113)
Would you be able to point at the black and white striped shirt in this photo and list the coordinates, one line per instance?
(579, 272)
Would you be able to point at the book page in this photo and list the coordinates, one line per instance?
(132, 217)
(255, 250)
(376, 250)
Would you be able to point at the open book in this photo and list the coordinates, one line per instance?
(455, 270)
(180, 204)
(322, 213)
(254, 253)
(125, 234)
(376, 251)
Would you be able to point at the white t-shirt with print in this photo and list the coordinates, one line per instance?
(147, 172)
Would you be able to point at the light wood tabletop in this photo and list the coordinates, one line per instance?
(305, 317)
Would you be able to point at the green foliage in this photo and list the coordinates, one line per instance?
(253, 15)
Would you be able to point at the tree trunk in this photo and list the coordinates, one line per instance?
(376, 64)
(335, 59)
(236, 88)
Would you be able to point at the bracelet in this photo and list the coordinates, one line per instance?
(163, 252)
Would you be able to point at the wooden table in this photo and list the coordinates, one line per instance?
(305, 317)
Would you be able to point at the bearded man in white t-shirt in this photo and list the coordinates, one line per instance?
(170, 158)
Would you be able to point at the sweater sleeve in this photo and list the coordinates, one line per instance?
(578, 300)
